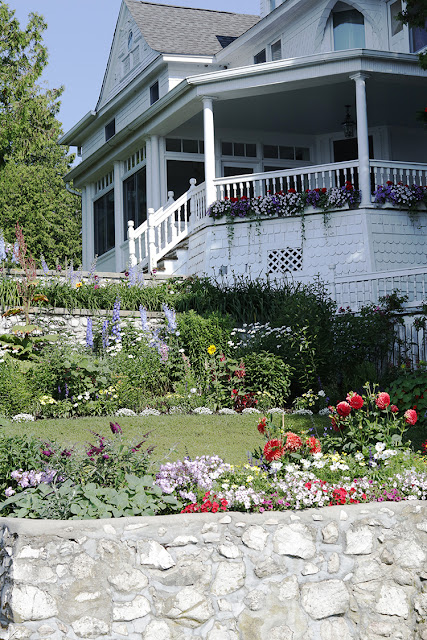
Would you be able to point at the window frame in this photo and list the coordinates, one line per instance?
(349, 10)
(109, 240)
(154, 90)
(110, 130)
(273, 44)
(264, 52)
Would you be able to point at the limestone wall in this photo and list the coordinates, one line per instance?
(340, 573)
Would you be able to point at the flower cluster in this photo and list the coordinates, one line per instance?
(188, 476)
(284, 203)
(207, 505)
(402, 195)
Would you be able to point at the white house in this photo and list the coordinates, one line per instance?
(244, 105)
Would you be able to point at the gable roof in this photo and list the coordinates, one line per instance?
(182, 30)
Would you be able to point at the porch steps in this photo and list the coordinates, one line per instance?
(174, 263)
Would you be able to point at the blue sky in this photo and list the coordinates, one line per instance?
(79, 36)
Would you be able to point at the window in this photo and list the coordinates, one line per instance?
(276, 50)
(272, 5)
(110, 130)
(130, 40)
(395, 25)
(260, 57)
(287, 153)
(239, 149)
(418, 38)
(349, 30)
(135, 199)
(178, 145)
(103, 222)
(154, 92)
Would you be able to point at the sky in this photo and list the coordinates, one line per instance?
(79, 37)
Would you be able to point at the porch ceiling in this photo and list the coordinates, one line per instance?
(319, 109)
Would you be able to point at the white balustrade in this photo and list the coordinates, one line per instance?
(409, 173)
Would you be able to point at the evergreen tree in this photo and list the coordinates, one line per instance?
(32, 163)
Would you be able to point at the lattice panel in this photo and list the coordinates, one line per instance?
(283, 260)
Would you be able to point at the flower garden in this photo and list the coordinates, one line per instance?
(304, 391)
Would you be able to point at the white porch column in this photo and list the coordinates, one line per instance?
(88, 231)
(155, 172)
(118, 215)
(209, 141)
(363, 137)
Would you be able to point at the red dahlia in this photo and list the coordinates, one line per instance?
(354, 400)
(273, 450)
(383, 400)
(293, 442)
(313, 444)
(343, 409)
(262, 425)
(411, 416)
(394, 409)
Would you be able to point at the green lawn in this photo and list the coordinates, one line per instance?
(174, 436)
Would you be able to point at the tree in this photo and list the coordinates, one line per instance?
(32, 163)
(415, 16)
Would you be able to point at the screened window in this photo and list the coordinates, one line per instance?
(110, 130)
(418, 38)
(276, 50)
(154, 92)
(349, 30)
(103, 221)
(134, 199)
(260, 57)
(242, 149)
(395, 25)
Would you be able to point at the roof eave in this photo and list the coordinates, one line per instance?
(73, 136)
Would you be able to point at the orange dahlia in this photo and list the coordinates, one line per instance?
(313, 444)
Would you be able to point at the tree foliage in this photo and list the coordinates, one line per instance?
(32, 163)
(415, 16)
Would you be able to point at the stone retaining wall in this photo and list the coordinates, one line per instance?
(339, 573)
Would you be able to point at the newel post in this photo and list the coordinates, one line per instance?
(131, 238)
(152, 254)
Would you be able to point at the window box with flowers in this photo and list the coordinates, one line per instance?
(412, 197)
(284, 204)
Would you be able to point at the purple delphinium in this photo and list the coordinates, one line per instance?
(3, 254)
(170, 315)
(105, 338)
(15, 253)
(143, 316)
(44, 265)
(89, 334)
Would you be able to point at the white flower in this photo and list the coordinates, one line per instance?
(276, 466)
(321, 393)
(193, 390)
(358, 456)
(203, 411)
(324, 411)
(125, 412)
(23, 417)
(227, 412)
(306, 463)
(250, 410)
(380, 446)
(130, 355)
(150, 412)
(181, 350)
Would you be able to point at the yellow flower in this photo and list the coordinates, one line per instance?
(78, 285)
(211, 349)
(249, 479)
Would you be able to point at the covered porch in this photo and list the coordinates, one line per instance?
(273, 127)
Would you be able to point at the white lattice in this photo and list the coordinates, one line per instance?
(282, 260)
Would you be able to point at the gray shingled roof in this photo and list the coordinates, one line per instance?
(171, 29)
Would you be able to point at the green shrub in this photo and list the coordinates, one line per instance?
(18, 389)
(265, 372)
(409, 390)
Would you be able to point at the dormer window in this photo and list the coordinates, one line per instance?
(349, 28)
(154, 92)
(260, 57)
(110, 130)
(276, 50)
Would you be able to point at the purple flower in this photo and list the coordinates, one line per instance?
(105, 339)
(115, 427)
(9, 492)
(89, 334)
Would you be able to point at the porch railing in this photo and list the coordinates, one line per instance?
(172, 223)
(406, 172)
(311, 177)
(356, 291)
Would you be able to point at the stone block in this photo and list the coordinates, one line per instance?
(189, 608)
(324, 599)
(393, 601)
(360, 541)
(127, 611)
(152, 554)
(230, 576)
(295, 540)
(27, 602)
(88, 627)
(255, 537)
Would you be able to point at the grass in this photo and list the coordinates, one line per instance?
(174, 436)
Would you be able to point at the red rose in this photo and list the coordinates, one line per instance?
(354, 400)
(394, 409)
(293, 442)
(411, 416)
(383, 400)
(343, 409)
(273, 450)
